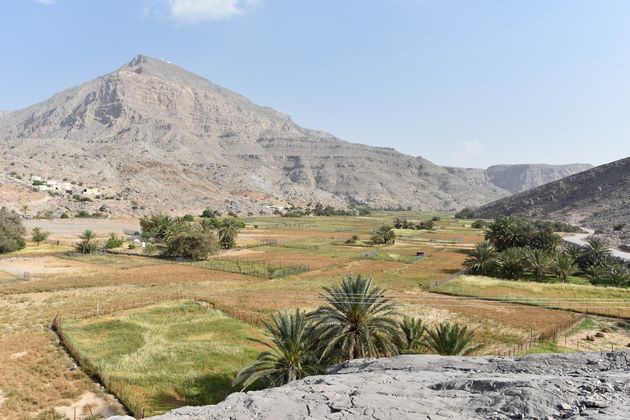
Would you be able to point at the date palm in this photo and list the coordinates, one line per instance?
(357, 321)
(574, 251)
(413, 330)
(564, 266)
(228, 233)
(482, 259)
(619, 275)
(384, 235)
(510, 263)
(451, 339)
(538, 262)
(290, 355)
(88, 244)
(595, 253)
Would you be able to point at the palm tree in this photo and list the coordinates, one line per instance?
(574, 251)
(538, 263)
(87, 244)
(482, 259)
(290, 355)
(358, 321)
(511, 263)
(595, 253)
(506, 232)
(228, 232)
(597, 272)
(564, 266)
(384, 235)
(619, 275)
(451, 339)
(413, 330)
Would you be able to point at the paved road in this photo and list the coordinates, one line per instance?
(580, 239)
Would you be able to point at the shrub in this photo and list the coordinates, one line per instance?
(38, 235)
(11, 231)
(478, 224)
(208, 213)
(65, 216)
(618, 227)
(132, 246)
(384, 235)
(464, 214)
(193, 245)
(113, 242)
(149, 249)
(188, 218)
(436, 218)
(88, 244)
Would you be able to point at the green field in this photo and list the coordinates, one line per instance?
(579, 297)
(168, 355)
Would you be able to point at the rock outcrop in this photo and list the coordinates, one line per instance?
(570, 385)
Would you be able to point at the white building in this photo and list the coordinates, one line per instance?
(42, 187)
(36, 178)
(51, 183)
(90, 191)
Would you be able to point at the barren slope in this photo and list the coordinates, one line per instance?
(598, 198)
(168, 139)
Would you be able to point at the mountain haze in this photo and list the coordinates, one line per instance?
(156, 137)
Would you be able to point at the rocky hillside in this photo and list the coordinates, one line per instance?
(151, 136)
(597, 198)
(584, 385)
(518, 178)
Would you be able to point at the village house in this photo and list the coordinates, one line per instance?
(90, 191)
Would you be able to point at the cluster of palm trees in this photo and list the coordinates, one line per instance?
(183, 237)
(356, 321)
(592, 260)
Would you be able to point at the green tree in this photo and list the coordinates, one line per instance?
(88, 244)
(38, 235)
(510, 263)
(413, 335)
(357, 321)
(538, 262)
(595, 253)
(11, 231)
(155, 227)
(482, 259)
(619, 275)
(506, 232)
(290, 355)
(228, 233)
(564, 266)
(451, 339)
(574, 251)
(191, 245)
(384, 235)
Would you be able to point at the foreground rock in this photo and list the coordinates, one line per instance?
(587, 385)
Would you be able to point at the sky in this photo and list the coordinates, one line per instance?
(464, 83)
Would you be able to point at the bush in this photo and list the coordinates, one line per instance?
(464, 214)
(193, 246)
(188, 218)
(384, 235)
(113, 242)
(132, 246)
(11, 231)
(38, 235)
(478, 224)
(65, 216)
(426, 225)
(436, 218)
(208, 213)
(618, 227)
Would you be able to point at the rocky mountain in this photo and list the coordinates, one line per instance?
(151, 136)
(543, 386)
(597, 198)
(518, 178)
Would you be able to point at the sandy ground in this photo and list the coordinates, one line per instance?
(69, 229)
(40, 266)
(89, 404)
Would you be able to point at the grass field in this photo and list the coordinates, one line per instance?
(80, 286)
(612, 301)
(168, 355)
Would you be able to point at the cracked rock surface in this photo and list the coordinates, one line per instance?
(545, 386)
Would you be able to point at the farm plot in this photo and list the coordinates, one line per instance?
(610, 301)
(166, 356)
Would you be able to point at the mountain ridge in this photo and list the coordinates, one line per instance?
(160, 138)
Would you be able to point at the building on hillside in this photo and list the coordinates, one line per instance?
(90, 191)
(51, 183)
(43, 187)
(36, 178)
(64, 187)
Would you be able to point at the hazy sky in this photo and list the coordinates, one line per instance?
(467, 83)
